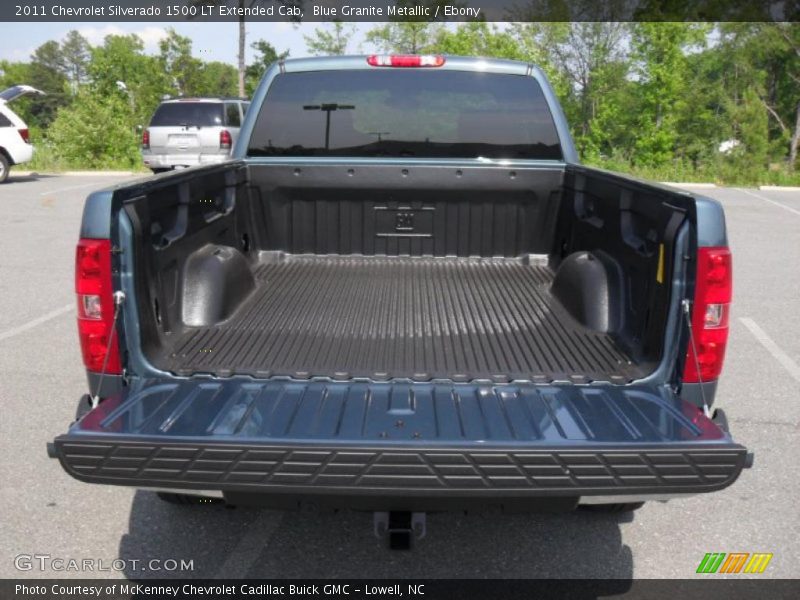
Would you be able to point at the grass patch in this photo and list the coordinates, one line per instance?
(720, 171)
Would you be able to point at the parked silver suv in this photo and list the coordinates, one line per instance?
(192, 131)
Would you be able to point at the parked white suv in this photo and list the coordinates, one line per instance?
(15, 145)
(192, 131)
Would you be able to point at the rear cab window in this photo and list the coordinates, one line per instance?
(405, 113)
(183, 113)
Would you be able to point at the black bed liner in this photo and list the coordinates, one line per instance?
(402, 317)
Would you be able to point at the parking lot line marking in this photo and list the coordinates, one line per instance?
(242, 558)
(770, 200)
(36, 322)
(72, 187)
(773, 348)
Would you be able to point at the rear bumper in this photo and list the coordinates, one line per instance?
(364, 442)
(418, 471)
(168, 161)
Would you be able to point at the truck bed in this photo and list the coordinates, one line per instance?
(398, 324)
(421, 318)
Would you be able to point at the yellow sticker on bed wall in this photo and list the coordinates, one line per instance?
(660, 272)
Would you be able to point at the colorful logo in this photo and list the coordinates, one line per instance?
(734, 562)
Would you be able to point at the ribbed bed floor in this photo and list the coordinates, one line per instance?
(392, 317)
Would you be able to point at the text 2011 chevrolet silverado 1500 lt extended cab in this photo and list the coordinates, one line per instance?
(403, 294)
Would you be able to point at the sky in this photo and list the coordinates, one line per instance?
(211, 41)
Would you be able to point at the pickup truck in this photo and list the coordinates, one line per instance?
(403, 293)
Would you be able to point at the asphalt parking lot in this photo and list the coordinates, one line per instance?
(47, 512)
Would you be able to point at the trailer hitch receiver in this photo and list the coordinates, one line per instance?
(399, 528)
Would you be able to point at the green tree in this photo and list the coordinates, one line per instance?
(180, 67)
(701, 123)
(479, 39)
(265, 56)
(121, 58)
(330, 41)
(216, 79)
(750, 125)
(584, 60)
(94, 132)
(659, 53)
(769, 54)
(46, 74)
(789, 34)
(14, 73)
(75, 54)
(612, 107)
(49, 56)
(403, 37)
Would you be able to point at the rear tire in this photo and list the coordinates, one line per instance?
(157, 171)
(621, 507)
(5, 167)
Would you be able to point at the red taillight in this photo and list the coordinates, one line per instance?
(146, 139)
(25, 135)
(710, 314)
(96, 306)
(225, 139)
(405, 60)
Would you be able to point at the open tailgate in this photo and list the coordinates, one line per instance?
(421, 439)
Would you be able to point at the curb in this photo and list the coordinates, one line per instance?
(688, 184)
(101, 173)
(79, 173)
(779, 188)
